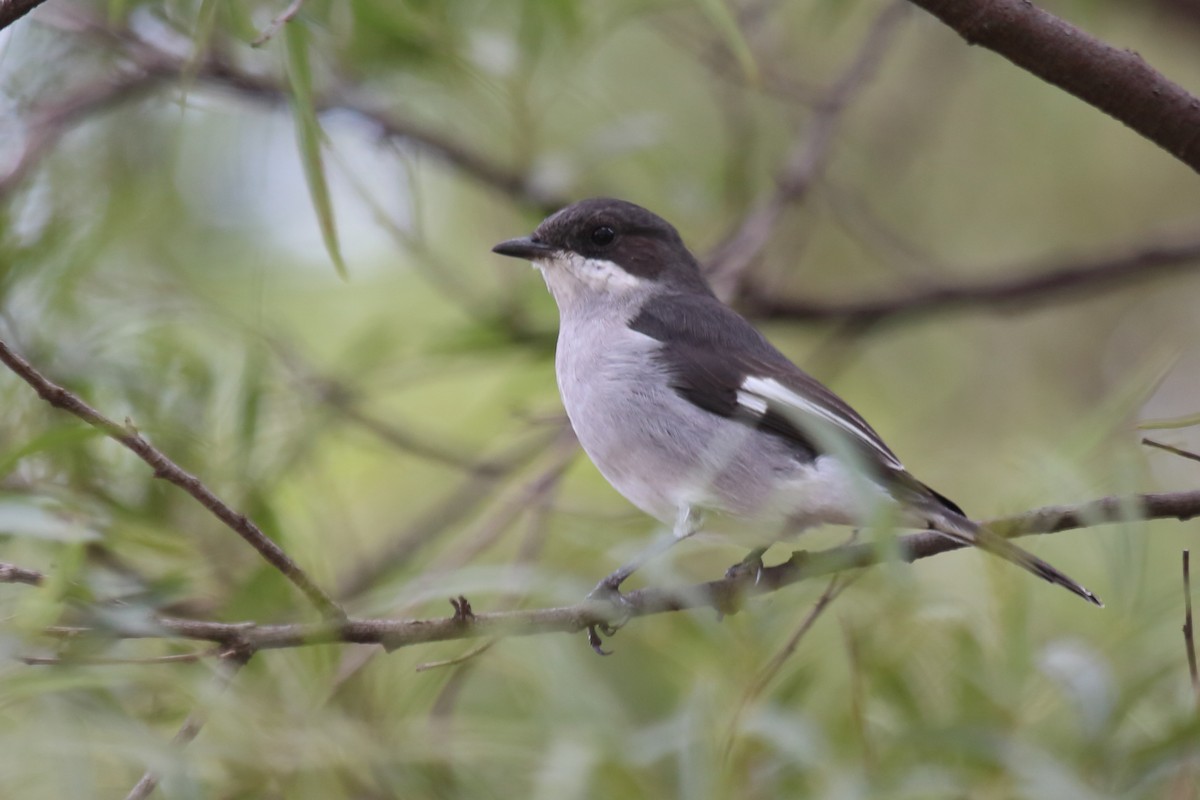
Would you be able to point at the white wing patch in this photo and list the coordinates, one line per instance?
(752, 402)
(758, 394)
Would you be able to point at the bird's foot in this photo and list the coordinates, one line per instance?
(750, 566)
(743, 575)
(608, 591)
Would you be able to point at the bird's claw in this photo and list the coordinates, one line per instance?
(594, 638)
(752, 564)
(608, 591)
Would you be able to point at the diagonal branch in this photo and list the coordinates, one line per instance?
(806, 161)
(1116, 81)
(1033, 287)
(152, 66)
(171, 472)
(721, 594)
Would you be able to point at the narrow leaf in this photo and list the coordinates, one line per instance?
(726, 24)
(309, 136)
(1189, 421)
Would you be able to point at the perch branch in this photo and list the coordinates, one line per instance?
(719, 594)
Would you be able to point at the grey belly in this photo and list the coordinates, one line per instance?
(660, 451)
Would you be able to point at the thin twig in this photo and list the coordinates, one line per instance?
(1177, 451)
(719, 594)
(231, 665)
(836, 586)
(1188, 634)
(11, 573)
(475, 489)
(168, 470)
(277, 24)
(804, 164)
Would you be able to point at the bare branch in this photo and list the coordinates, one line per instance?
(13, 10)
(837, 584)
(277, 24)
(1168, 448)
(11, 573)
(1118, 82)
(804, 164)
(1034, 287)
(719, 594)
(171, 472)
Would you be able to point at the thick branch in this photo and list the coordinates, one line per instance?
(1118, 82)
(1032, 287)
(171, 472)
(721, 594)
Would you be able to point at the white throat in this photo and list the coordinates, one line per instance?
(574, 279)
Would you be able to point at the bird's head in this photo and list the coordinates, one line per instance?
(604, 248)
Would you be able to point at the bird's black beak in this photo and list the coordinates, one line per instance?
(524, 247)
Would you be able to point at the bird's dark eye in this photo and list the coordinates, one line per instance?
(603, 236)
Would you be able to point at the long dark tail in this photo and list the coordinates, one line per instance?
(960, 529)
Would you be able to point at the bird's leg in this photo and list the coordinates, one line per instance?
(687, 522)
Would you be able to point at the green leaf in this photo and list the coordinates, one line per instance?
(309, 136)
(726, 24)
(1190, 421)
(62, 437)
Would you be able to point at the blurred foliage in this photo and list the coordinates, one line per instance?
(169, 259)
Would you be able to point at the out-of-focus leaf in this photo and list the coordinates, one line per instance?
(22, 518)
(308, 137)
(726, 24)
(68, 436)
(116, 10)
(205, 25)
(1190, 421)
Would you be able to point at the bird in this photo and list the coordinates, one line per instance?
(689, 411)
